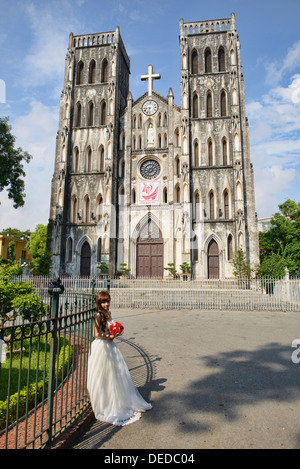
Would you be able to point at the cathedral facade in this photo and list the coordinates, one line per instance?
(146, 183)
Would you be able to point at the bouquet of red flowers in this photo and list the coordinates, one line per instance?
(116, 328)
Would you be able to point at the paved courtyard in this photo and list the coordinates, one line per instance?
(216, 379)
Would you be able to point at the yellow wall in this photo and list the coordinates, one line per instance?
(19, 248)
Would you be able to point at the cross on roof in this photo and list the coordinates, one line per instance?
(150, 77)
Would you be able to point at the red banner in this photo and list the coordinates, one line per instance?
(149, 193)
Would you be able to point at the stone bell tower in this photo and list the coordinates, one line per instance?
(81, 228)
(222, 186)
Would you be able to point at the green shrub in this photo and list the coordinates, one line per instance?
(35, 391)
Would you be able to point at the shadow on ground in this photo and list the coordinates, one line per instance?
(233, 380)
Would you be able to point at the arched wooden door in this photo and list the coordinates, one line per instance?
(213, 260)
(150, 251)
(85, 260)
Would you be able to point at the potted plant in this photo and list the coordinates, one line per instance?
(186, 270)
(171, 269)
(103, 268)
(123, 271)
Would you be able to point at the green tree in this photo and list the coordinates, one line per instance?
(20, 295)
(11, 250)
(11, 165)
(15, 233)
(280, 245)
(37, 247)
(241, 268)
(272, 266)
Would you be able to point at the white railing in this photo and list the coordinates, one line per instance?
(233, 294)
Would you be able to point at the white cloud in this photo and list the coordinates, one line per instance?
(43, 62)
(272, 185)
(35, 133)
(276, 70)
(278, 112)
(274, 123)
(291, 94)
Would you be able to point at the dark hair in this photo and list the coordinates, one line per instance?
(101, 298)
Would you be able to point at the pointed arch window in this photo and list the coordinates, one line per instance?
(133, 196)
(212, 205)
(70, 249)
(122, 168)
(177, 166)
(226, 205)
(104, 71)
(197, 207)
(165, 195)
(221, 60)
(208, 61)
(91, 114)
(195, 106)
(103, 113)
(159, 141)
(229, 247)
(196, 154)
(209, 106)
(89, 160)
(99, 207)
(92, 72)
(101, 158)
(224, 152)
(80, 69)
(78, 115)
(86, 209)
(74, 207)
(210, 153)
(99, 246)
(195, 62)
(76, 160)
(177, 194)
(223, 104)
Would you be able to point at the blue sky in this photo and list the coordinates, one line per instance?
(33, 44)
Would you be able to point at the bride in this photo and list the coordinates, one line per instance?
(113, 396)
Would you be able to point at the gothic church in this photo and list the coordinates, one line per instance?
(147, 183)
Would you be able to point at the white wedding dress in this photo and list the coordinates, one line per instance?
(114, 398)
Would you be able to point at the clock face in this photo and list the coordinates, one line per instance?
(150, 107)
(150, 169)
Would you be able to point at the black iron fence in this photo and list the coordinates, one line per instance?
(43, 360)
(43, 368)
